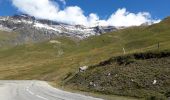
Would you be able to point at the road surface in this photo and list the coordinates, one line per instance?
(36, 90)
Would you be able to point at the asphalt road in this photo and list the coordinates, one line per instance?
(36, 90)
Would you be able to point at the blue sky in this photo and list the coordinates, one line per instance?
(158, 9)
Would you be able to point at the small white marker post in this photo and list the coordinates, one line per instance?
(124, 52)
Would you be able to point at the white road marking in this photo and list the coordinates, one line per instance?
(27, 89)
(41, 97)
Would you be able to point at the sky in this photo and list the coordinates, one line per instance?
(90, 12)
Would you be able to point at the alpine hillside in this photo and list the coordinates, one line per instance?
(55, 52)
(26, 29)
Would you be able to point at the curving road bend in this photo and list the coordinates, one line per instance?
(36, 90)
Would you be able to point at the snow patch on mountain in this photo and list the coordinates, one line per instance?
(19, 22)
(39, 25)
(3, 28)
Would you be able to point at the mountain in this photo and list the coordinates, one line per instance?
(58, 60)
(30, 29)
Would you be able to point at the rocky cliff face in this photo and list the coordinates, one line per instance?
(32, 29)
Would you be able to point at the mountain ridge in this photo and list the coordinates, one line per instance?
(32, 29)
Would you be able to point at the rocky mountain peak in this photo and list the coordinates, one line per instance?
(36, 30)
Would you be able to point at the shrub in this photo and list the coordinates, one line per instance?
(156, 97)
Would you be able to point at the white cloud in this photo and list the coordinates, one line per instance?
(93, 19)
(124, 18)
(72, 15)
(41, 9)
(46, 9)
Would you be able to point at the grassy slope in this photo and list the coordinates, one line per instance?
(130, 75)
(45, 60)
(5, 37)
